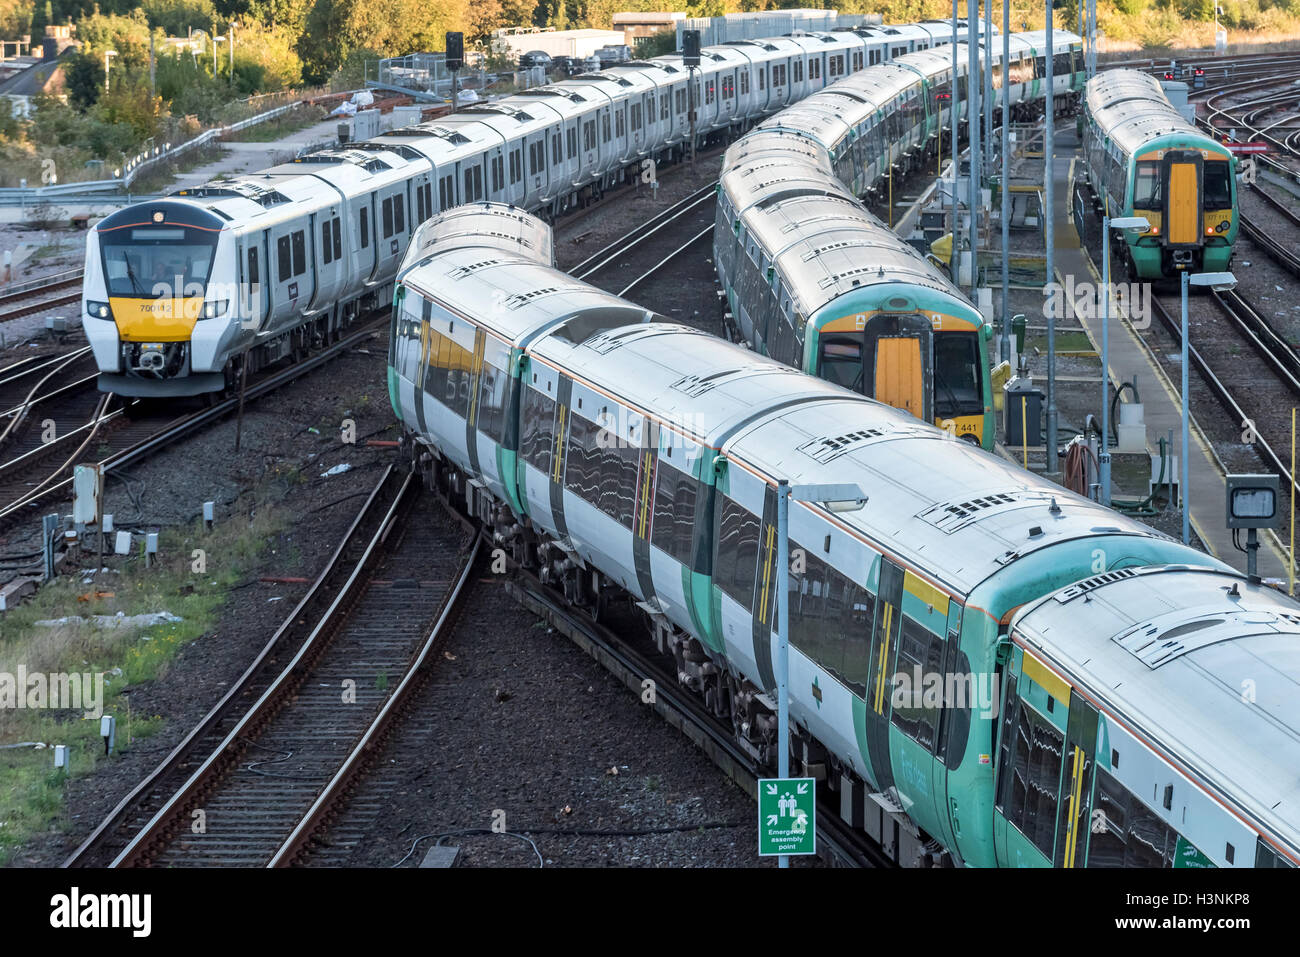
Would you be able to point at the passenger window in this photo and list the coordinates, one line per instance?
(327, 248)
(338, 238)
(299, 253)
(365, 227)
(284, 258)
(386, 212)
(737, 552)
(252, 267)
(674, 519)
(399, 213)
(920, 652)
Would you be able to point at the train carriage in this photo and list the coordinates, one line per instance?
(648, 460)
(1143, 158)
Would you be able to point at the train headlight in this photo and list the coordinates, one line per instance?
(211, 310)
(98, 310)
(1224, 226)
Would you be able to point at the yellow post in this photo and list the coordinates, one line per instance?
(1024, 428)
(1291, 557)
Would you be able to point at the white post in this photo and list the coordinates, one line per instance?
(1186, 449)
(1005, 353)
(1049, 215)
(1104, 457)
(782, 636)
(973, 139)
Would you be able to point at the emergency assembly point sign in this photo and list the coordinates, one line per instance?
(787, 816)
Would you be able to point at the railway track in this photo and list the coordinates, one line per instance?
(35, 295)
(633, 663)
(272, 757)
(618, 267)
(114, 439)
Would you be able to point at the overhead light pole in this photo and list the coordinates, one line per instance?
(1049, 194)
(107, 55)
(1138, 223)
(836, 498)
(954, 263)
(1005, 354)
(973, 133)
(1219, 282)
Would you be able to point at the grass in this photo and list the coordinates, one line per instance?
(31, 791)
(289, 123)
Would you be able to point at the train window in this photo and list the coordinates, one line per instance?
(1061, 65)
(744, 82)
(299, 253)
(399, 208)
(1218, 185)
(673, 530)
(619, 126)
(365, 227)
(537, 440)
(958, 389)
(536, 157)
(337, 230)
(1265, 856)
(841, 361)
(1040, 68)
(428, 198)
(571, 141)
(1132, 835)
(815, 68)
(473, 188)
(604, 127)
(1036, 778)
(252, 267)
(516, 167)
(1006, 739)
(557, 150)
(916, 714)
(873, 57)
(681, 101)
(386, 216)
(285, 259)
(498, 173)
(762, 77)
(1146, 185)
(420, 212)
(327, 247)
(589, 135)
(830, 619)
(664, 106)
(618, 473)
(737, 552)
(634, 121)
(857, 60)
(493, 384)
(798, 71)
(709, 92)
(582, 459)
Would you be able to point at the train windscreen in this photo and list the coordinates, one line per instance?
(958, 390)
(156, 262)
(1218, 185)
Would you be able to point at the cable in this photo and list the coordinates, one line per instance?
(1078, 455)
(1114, 402)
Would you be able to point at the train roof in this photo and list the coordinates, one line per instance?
(937, 502)
(693, 382)
(1131, 109)
(489, 227)
(1173, 650)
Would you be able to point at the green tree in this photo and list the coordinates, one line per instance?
(83, 77)
(176, 17)
(336, 28)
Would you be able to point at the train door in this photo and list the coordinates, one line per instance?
(898, 374)
(1182, 177)
(884, 650)
(313, 276)
(255, 304)
(363, 241)
(1080, 755)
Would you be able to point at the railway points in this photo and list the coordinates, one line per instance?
(480, 427)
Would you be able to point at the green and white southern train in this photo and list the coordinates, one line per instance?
(1143, 158)
(985, 669)
(816, 281)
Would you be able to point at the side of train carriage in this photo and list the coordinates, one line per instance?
(817, 282)
(181, 291)
(1143, 158)
(617, 455)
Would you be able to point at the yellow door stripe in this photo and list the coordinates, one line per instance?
(559, 446)
(1072, 808)
(767, 574)
(1045, 679)
(878, 704)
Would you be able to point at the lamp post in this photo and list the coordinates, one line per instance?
(835, 498)
(107, 55)
(954, 264)
(1049, 237)
(973, 90)
(1140, 224)
(1006, 172)
(1219, 282)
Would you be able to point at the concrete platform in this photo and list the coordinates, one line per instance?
(1129, 356)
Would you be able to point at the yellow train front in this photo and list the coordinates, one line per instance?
(1144, 158)
(161, 300)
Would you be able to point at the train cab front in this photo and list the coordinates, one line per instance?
(153, 314)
